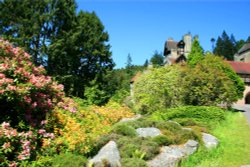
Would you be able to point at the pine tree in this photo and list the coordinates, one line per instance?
(73, 47)
(26, 24)
(226, 46)
(196, 54)
(157, 59)
(146, 63)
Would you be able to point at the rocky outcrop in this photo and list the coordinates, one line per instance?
(131, 119)
(209, 140)
(108, 155)
(171, 155)
(148, 132)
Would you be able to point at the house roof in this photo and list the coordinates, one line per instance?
(137, 75)
(240, 67)
(170, 44)
(244, 48)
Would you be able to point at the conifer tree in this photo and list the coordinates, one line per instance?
(72, 46)
(196, 54)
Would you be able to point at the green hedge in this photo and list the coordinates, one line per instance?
(192, 115)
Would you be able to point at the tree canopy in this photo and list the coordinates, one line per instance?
(196, 54)
(157, 59)
(227, 46)
(72, 46)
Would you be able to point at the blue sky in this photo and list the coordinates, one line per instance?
(140, 27)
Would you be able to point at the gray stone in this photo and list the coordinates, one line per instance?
(148, 132)
(131, 119)
(174, 122)
(245, 166)
(108, 154)
(171, 155)
(190, 147)
(209, 140)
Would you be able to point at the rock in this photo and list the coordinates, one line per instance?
(190, 147)
(209, 140)
(108, 154)
(245, 166)
(189, 129)
(174, 122)
(171, 155)
(131, 119)
(148, 132)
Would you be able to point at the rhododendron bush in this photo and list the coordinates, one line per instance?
(27, 96)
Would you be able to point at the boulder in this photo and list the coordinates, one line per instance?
(108, 155)
(131, 119)
(174, 122)
(148, 132)
(190, 147)
(189, 129)
(209, 140)
(171, 155)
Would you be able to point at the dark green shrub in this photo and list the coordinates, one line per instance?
(101, 141)
(142, 122)
(128, 146)
(169, 125)
(203, 114)
(68, 160)
(124, 129)
(162, 140)
(184, 135)
(133, 162)
(187, 121)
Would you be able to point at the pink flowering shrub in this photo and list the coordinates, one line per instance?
(27, 97)
(26, 94)
(19, 146)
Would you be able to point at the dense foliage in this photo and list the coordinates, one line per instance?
(72, 46)
(210, 82)
(196, 54)
(192, 115)
(27, 97)
(157, 59)
(227, 46)
(159, 88)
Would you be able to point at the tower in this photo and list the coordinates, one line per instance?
(188, 44)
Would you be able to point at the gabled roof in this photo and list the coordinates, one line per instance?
(137, 75)
(171, 45)
(244, 48)
(240, 67)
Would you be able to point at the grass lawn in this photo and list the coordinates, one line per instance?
(234, 148)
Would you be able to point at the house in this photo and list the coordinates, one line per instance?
(243, 70)
(243, 54)
(177, 52)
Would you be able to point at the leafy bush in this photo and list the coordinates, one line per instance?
(20, 146)
(169, 125)
(128, 146)
(26, 94)
(212, 82)
(141, 122)
(208, 82)
(133, 162)
(162, 140)
(78, 132)
(199, 114)
(27, 98)
(68, 160)
(159, 88)
(219, 64)
(125, 130)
